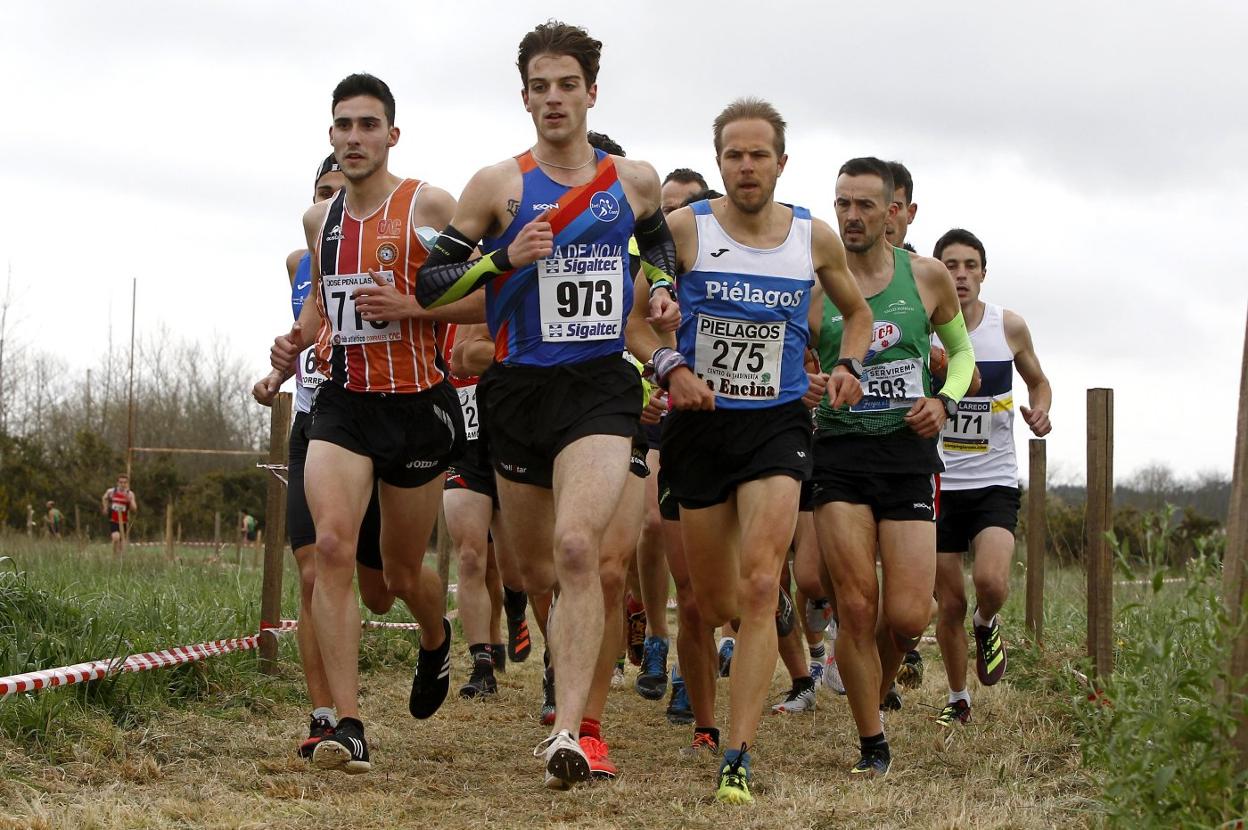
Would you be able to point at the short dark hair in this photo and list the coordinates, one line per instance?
(557, 38)
(362, 83)
(683, 175)
(906, 246)
(744, 109)
(870, 166)
(960, 236)
(604, 142)
(700, 195)
(902, 179)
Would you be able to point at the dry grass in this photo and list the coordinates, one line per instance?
(1015, 766)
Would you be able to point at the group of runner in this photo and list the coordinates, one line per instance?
(604, 380)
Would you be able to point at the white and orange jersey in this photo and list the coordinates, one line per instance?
(465, 387)
(399, 356)
(447, 333)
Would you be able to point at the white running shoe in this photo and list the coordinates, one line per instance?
(617, 676)
(832, 675)
(818, 614)
(798, 700)
(566, 763)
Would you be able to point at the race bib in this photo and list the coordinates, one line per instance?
(309, 375)
(581, 297)
(969, 430)
(896, 384)
(468, 403)
(349, 329)
(740, 359)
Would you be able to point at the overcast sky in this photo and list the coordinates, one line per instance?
(1096, 148)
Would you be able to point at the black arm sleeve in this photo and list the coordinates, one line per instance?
(658, 249)
(448, 275)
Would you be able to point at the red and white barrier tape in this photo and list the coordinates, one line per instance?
(96, 669)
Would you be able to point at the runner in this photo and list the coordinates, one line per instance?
(680, 186)
(874, 461)
(248, 528)
(299, 529)
(560, 406)
(979, 488)
(53, 520)
(119, 504)
(385, 410)
(737, 443)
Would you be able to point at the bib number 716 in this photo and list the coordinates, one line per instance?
(348, 325)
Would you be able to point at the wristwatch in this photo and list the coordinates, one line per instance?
(951, 406)
(853, 364)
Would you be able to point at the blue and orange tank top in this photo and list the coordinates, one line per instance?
(397, 356)
(572, 306)
(307, 377)
(744, 328)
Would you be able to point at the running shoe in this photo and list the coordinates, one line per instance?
(344, 749)
(320, 728)
(566, 763)
(892, 700)
(548, 696)
(801, 698)
(910, 675)
(433, 677)
(832, 675)
(872, 765)
(498, 656)
(989, 652)
(816, 671)
(959, 711)
(734, 781)
(481, 682)
(652, 682)
(519, 645)
(704, 744)
(726, 647)
(598, 753)
(818, 614)
(679, 710)
(636, 631)
(784, 615)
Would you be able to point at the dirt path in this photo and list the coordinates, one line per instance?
(471, 766)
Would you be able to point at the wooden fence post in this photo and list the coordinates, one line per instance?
(169, 530)
(275, 511)
(1037, 537)
(30, 520)
(442, 544)
(238, 538)
(1235, 567)
(77, 523)
(1098, 557)
(216, 533)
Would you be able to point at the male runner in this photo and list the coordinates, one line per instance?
(119, 503)
(979, 488)
(560, 405)
(300, 531)
(874, 461)
(679, 186)
(737, 443)
(53, 520)
(385, 410)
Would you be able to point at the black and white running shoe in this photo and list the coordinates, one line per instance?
(345, 749)
(433, 677)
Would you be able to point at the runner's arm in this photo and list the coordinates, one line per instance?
(473, 352)
(839, 285)
(1039, 391)
(640, 337)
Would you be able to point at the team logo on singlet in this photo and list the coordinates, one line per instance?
(604, 207)
(884, 334)
(389, 228)
(387, 253)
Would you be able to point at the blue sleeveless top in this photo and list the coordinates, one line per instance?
(572, 306)
(744, 328)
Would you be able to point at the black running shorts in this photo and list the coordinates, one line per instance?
(530, 413)
(410, 438)
(707, 455)
(654, 434)
(669, 510)
(299, 528)
(472, 472)
(637, 464)
(965, 513)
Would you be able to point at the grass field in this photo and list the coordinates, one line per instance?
(211, 745)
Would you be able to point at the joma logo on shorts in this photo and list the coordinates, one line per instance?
(421, 465)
